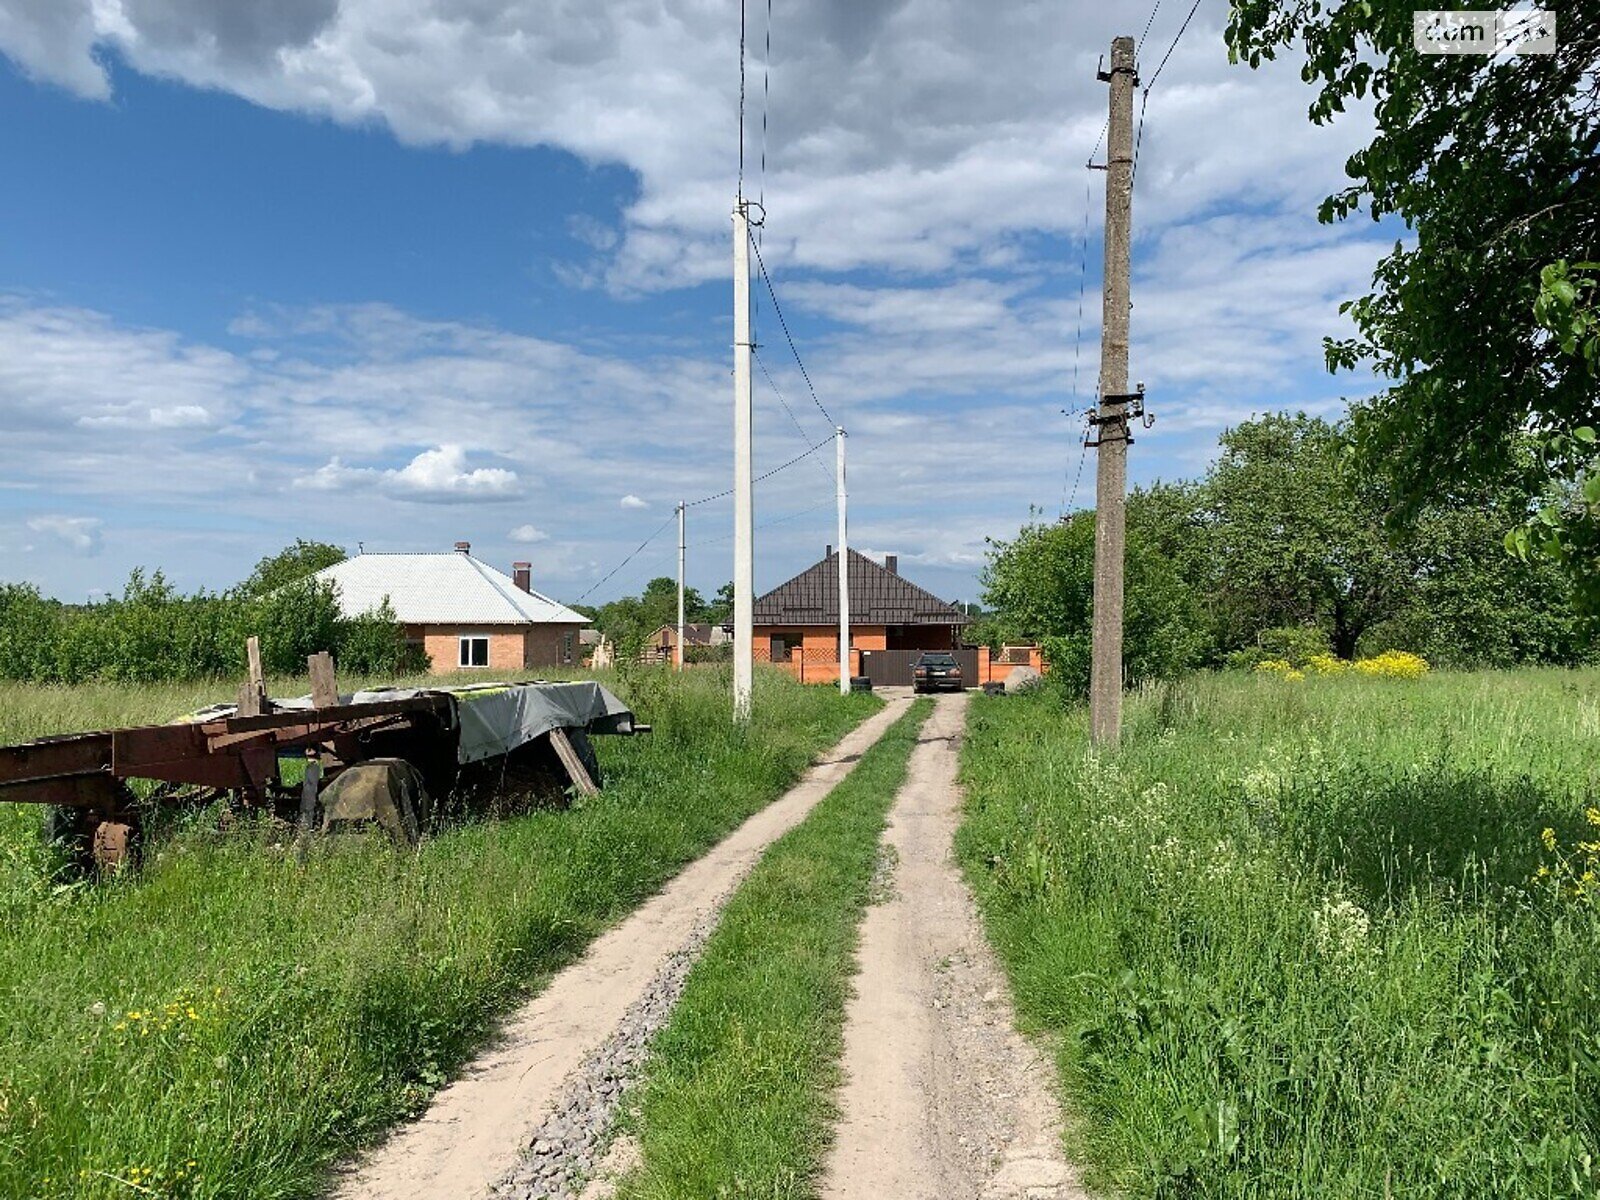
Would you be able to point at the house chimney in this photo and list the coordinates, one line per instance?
(522, 575)
(829, 552)
(463, 547)
(891, 563)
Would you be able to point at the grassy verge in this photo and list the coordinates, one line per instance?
(229, 1022)
(1295, 934)
(737, 1097)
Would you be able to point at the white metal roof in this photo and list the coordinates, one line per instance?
(441, 589)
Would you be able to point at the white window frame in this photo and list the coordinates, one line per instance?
(463, 656)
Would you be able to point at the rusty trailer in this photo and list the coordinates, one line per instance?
(385, 756)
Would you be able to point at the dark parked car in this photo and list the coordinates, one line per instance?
(936, 671)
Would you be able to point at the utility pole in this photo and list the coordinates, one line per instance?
(844, 566)
(1111, 415)
(743, 488)
(682, 547)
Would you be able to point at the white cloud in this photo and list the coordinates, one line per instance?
(527, 535)
(632, 501)
(441, 474)
(177, 416)
(81, 534)
(334, 476)
(917, 135)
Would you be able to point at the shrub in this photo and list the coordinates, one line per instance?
(1394, 664)
(1295, 643)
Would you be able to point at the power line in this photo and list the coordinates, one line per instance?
(1144, 95)
(827, 441)
(741, 98)
(1182, 29)
(799, 428)
(1083, 453)
(627, 560)
(766, 103)
(793, 349)
(1149, 21)
(639, 549)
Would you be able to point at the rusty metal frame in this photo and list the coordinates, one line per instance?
(83, 770)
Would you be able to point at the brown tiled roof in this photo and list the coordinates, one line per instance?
(877, 597)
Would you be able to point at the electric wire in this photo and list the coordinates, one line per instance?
(827, 441)
(1182, 29)
(793, 349)
(1149, 21)
(799, 428)
(740, 191)
(1144, 95)
(660, 529)
(640, 549)
(766, 104)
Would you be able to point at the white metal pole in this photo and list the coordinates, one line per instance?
(681, 548)
(844, 567)
(743, 498)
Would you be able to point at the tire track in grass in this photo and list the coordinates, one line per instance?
(478, 1129)
(737, 1098)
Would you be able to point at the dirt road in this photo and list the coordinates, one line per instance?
(943, 1100)
(478, 1130)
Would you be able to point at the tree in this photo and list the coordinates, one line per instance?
(1295, 536)
(290, 565)
(720, 610)
(630, 620)
(1282, 551)
(1493, 163)
(1041, 587)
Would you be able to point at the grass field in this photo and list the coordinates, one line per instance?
(1295, 938)
(737, 1099)
(229, 1022)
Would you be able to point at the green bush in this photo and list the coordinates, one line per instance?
(1294, 643)
(152, 633)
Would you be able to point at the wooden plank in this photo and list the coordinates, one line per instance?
(252, 698)
(568, 755)
(324, 687)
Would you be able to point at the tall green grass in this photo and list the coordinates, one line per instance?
(737, 1100)
(228, 1022)
(1291, 935)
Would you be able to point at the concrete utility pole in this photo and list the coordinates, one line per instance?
(682, 547)
(844, 567)
(1111, 417)
(743, 490)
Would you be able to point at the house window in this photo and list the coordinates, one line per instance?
(474, 650)
(566, 647)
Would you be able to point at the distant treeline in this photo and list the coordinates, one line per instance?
(153, 633)
(1285, 548)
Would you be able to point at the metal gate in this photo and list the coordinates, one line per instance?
(892, 668)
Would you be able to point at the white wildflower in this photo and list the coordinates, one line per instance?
(1341, 929)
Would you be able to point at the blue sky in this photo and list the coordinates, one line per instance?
(401, 272)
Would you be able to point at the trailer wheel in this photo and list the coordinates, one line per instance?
(89, 843)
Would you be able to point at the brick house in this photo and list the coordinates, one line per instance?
(464, 613)
(797, 623)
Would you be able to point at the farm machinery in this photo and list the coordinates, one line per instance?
(397, 758)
